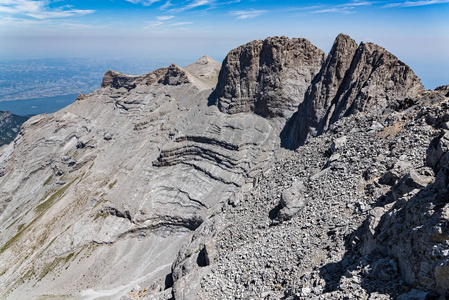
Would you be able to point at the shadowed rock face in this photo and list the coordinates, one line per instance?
(267, 77)
(353, 79)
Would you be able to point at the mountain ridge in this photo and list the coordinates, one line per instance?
(174, 185)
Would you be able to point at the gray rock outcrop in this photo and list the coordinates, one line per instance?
(267, 77)
(444, 89)
(352, 79)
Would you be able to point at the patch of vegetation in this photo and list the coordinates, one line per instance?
(41, 209)
(28, 275)
(49, 244)
(48, 180)
(98, 202)
(15, 238)
(44, 206)
(51, 266)
(101, 214)
(50, 296)
(12, 224)
(80, 178)
(111, 185)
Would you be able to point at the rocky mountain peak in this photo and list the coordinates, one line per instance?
(206, 69)
(116, 80)
(203, 74)
(205, 59)
(444, 89)
(267, 77)
(175, 76)
(353, 79)
(332, 73)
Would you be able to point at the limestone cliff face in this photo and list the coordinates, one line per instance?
(267, 77)
(353, 79)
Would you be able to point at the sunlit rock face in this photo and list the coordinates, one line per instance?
(267, 77)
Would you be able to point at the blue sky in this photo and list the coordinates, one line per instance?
(415, 31)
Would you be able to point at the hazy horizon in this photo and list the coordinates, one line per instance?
(417, 32)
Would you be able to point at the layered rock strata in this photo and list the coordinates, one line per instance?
(105, 191)
(357, 236)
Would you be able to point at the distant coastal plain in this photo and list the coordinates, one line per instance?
(36, 86)
(35, 106)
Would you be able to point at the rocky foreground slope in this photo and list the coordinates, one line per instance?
(174, 184)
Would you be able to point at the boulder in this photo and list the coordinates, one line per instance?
(292, 200)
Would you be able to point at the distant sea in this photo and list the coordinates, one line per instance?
(37, 106)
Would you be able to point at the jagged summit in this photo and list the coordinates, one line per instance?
(204, 60)
(267, 77)
(352, 79)
(444, 89)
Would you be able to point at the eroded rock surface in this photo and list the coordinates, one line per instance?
(267, 77)
(352, 79)
(356, 237)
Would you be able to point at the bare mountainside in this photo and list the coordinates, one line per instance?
(174, 184)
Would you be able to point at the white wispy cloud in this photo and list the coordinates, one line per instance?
(143, 2)
(59, 14)
(166, 5)
(343, 10)
(47, 24)
(247, 14)
(179, 23)
(357, 3)
(416, 3)
(153, 24)
(164, 18)
(197, 3)
(39, 9)
(191, 5)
